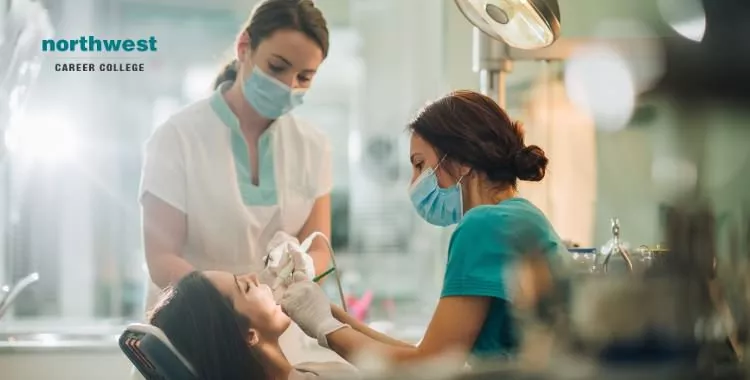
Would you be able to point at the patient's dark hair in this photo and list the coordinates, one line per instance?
(204, 327)
(270, 16)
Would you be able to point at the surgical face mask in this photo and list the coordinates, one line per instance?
(437, 206)
(270, 97)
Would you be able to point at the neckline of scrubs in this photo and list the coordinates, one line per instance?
(264, 194)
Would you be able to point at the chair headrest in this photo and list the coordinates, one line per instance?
(155, 357)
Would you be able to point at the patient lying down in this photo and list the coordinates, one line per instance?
(228, 328)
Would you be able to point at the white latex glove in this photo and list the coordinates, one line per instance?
(308, 306)
(277, 245)
(270, 274)
(282, 243)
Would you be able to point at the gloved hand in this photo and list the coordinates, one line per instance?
(308, 306)
(280, 244)
(270, 274)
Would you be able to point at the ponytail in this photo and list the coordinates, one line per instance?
(228, 73)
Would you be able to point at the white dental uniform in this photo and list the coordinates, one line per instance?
(198, 163)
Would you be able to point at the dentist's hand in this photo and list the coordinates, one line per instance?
(270, 274)
(279, 248)
(308, 306)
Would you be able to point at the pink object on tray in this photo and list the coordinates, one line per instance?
(358, 308)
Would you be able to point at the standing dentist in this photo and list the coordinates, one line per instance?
(223, 172)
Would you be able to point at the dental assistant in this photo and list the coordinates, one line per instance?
(225, 173)
(467, 156)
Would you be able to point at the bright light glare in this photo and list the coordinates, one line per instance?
(197, 82)
(355, 146)
(599, 81)
(693, 29)
(644, 55)
(673, 174)
(49, 139)
(686, 17)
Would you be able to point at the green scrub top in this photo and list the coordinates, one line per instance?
(483, 249)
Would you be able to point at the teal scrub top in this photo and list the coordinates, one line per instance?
(486, 243)
(263, 194)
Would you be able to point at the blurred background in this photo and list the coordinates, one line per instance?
(621, 144)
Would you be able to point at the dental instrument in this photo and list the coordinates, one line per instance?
(287, 270)
(617, 248)
(322, 275)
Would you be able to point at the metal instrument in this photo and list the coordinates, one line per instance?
(617, 248)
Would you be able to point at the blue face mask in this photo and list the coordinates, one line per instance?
(437, 206)
(270, 97)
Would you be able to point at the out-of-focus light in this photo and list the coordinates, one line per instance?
(599, 81)
(197, 82)
(164, 107)
(16, 97)
(50, 139)
(355, 146)
(674, 175)
(686, 17)
(644, 55)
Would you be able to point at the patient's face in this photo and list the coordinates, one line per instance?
(253, 300)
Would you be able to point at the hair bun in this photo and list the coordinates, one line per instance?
(530, 163)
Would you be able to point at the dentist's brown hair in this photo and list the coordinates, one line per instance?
(270, 16)
(472, 129)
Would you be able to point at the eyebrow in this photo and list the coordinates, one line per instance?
(306, 71)
(283, 59)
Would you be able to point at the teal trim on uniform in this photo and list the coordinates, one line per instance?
(265, 193)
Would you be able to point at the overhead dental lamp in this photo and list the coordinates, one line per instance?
(503, 25)
(522, 24)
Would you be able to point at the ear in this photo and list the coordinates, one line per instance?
(253, 337)
(457, 170)
(465, 171)
(242, 46)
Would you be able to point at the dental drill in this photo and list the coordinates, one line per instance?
(287, 270)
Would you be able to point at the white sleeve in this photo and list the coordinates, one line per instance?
(325, 170)
(163, 172)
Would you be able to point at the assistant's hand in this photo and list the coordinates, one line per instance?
(308, 306)
(270, 274)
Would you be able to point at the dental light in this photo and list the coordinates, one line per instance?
(509, 30)
(522, 24)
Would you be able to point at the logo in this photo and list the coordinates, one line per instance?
(93, 48)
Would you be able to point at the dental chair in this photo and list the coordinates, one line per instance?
(151, 352)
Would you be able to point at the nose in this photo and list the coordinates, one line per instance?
(414, 175)
(289, 79)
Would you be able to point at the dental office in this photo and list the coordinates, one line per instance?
(635, 105)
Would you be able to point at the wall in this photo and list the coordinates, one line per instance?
(77, 365)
